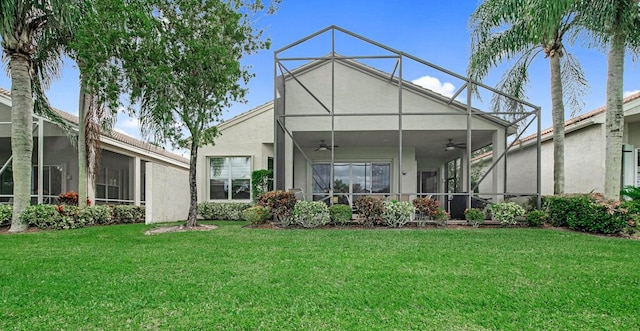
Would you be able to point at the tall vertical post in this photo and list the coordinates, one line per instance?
(136, 180)
(275, 122)
(400, 128)
(504, 182)
(539, 160)
(468, 166)
(40, 160)
(333, 97)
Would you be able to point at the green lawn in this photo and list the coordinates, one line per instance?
(234, 278)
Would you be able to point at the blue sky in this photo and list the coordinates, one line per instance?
(435, 31)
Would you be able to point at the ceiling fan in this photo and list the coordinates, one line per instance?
(451, 145)
(323, 146)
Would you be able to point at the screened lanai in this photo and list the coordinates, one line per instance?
(353, 117)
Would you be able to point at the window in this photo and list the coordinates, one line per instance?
(638, 168)
(112, 185)
(351, 180)
(51, 181)
(453, 172)
(230, 178)
(270, 163)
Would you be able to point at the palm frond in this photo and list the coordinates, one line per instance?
(574, 83)
(514, 83)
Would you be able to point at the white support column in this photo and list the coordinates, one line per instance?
(442, 183)
(148, 189)
(136, 180)
(463, 170)
(40, 161)
(498, 171)
(288, 162)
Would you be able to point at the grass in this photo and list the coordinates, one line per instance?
(233, 278)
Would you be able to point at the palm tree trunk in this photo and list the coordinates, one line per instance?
(21, 137)
(82, 144)
(615, 118)
(192, 219)
(557, 113)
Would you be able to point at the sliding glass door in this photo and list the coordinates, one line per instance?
(351, 179)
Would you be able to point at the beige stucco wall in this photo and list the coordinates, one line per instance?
(584, 164)
(358, 92)
(251, 134)
(167, 192)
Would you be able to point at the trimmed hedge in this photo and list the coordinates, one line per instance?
(340, 214)
(370, 208)
(127, 214)
(281, 204)
(311, 214)
(256, 214)
(586, 212)
(6, 212)
(227, 211)
(59, 217)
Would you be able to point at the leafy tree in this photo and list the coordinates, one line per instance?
(184, 78)
(27, 28)
(106, 34)
(616, 24)
(520, 31)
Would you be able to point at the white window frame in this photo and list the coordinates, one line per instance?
(230, 193)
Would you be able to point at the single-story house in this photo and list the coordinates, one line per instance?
(585, 144)
(340, 128)
(131, 171)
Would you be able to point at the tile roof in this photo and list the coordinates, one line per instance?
(574, 120)
(578, 119)
(123, 138)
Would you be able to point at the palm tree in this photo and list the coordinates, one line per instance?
(616, 24)
(22, 24)
(106, 36)
(520, 31)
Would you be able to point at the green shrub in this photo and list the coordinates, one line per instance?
(370, 209)
(127, 214)
(340, 214)
(41, 216)
(228, 211)
(261, 182)
(536, 217)
(506, 212)
(557, 208)
(397, 213)
(53, 217)
(441, 216)
(256, 214)
(6, 212)
(587, 212)
(631, 192)
(426, 208)
(311, 214)
(528, 203)
(281, 204)
(474, 216)
(93, 215)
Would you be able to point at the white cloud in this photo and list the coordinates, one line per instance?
(629, 93)
(434, 84)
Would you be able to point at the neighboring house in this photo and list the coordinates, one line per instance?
(131, 171)
(340, 128)
(585, 143)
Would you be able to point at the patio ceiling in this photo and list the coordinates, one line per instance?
(429, 144)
